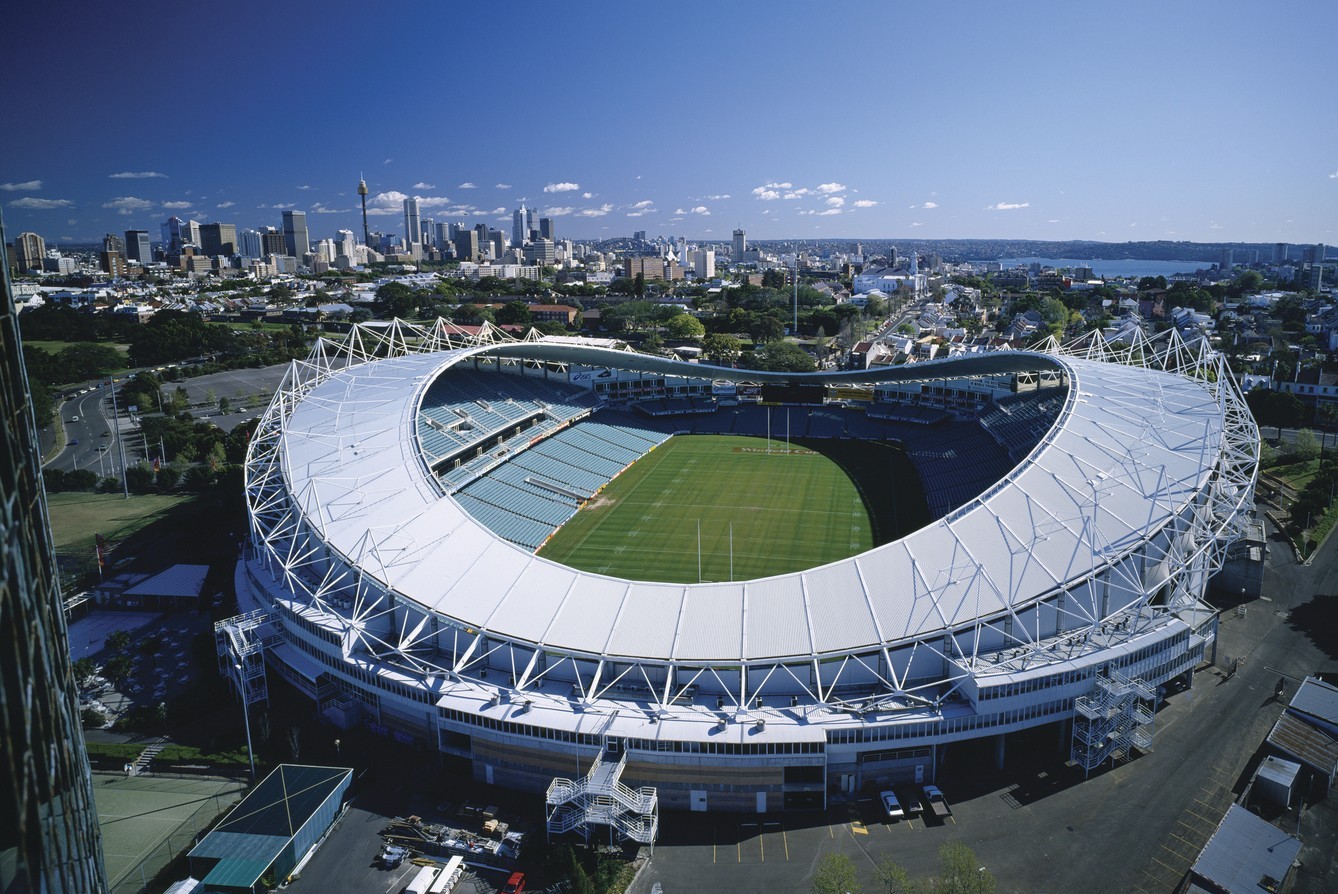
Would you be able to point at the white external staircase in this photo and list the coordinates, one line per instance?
(599, 799)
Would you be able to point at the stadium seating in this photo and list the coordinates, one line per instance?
(1019, 421)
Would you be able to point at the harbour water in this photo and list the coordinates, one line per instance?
(1125, 267)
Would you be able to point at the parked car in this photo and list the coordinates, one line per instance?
(936, 803)
(891, 805)
(910, 802)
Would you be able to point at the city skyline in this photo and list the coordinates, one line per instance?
(1031, 122)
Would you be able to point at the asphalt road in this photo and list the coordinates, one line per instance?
(89, 440)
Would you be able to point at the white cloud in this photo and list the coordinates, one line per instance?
(177, 206)
(675, 219)
(557, 211)
(865, 203)
(318, 208)
(1053, 220)
(284, 206)
(421, 185)
(1333, 176)
(465, 185)
(797, 193)
(1007, 206)
(836, 201)
(587, 195)
(643, 204)
(640, 213)
(501, 186)
(304, 187)
(129, 205)
(36, 204)
(25, 186)
(702, 210)
(136, 175)
(563, 186)
(496, 211)
(387, 161)
(226, 204)
(828, 188)
(917, 224)
(929, 205)
(827, 213)
(595, 212)
(769, 191)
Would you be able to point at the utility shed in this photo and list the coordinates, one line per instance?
(1276, 780)
(271, 830)
(1316, 702)
(179, 585)
(1313, 746)
(1246, 855)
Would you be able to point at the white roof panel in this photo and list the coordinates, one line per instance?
(1130, 447)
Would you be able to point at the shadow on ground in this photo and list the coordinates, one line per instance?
(1318, 620)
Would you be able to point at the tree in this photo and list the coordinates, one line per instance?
(960, 872)
(395, 299)
(639, 285)
(763, 329)
(684, 326)
(835, 874)
(471, 315)
(780, 356)
(892, 878)
(83, 670)
(118, 640)
(1306, 447)
(653, 344)
(1278, 408)
(1249, 281)
(515, 313)
(721, 348)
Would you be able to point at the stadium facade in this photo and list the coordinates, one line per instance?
(400, 483)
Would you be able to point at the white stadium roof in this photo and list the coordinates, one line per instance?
(1131, 446)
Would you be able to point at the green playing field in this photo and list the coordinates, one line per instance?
(783, 511)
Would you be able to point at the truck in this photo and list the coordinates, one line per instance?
(422, 882)
(936, 803)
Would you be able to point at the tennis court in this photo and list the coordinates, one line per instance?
(148, 820)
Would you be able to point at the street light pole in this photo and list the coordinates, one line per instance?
(246, 715)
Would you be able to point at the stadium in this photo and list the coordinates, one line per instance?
(1031, 546)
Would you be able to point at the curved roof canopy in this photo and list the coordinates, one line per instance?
(1130, 448)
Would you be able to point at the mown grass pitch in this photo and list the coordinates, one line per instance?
(788, 511)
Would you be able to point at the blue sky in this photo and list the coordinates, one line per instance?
(1204, 121)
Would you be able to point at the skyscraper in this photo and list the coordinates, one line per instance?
(413, 225)
(112, 242)
(546, 228)
(177, 233)
(29, 249)
(249, 244)
(1227, 259)
(218, 239)
(49, 837)
(740, 246)
(138, 247)
(295, 233)
(521, 220)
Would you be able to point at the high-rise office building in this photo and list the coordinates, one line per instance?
(740, 246)
(540, 251)
(295, 238)
(112, 262)
(1226, 260)
(272, 242)
(444, 236)
(249, 245)
(704, 263)
(138, 247)
(467, 245)
(49, 836)
(413, 225)
(546, 228)
(497, 239)
(112, 242)
(521, 221)
(29, 250)
(178, 233)
(218, 239)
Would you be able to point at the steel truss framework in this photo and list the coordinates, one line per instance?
(369, 619)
